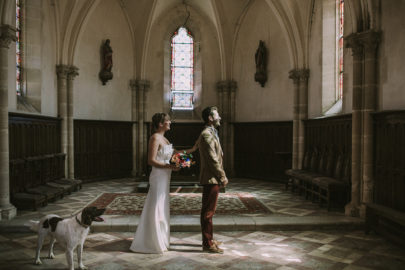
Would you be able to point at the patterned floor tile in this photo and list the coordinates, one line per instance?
(380, 262)
(318, 237)
(281, 250)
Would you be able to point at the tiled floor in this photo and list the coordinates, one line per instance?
(282, 250)
(273, 195)
(279, 250)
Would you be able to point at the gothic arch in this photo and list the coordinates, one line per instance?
(7, 12)
(363, 14)
(175, 17)
(77, 25)
(291, 31)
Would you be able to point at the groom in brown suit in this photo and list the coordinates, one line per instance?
(212, 175)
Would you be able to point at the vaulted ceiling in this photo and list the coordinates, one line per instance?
(294, 17)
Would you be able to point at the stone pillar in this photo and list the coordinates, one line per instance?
(7, 210)
(303, 112)
(370, 40)
(352, 209)
(62, 73)
(134, 119)
(225, 124)
(294, 75)
(142, 86)
(221, 85)
(232, 89)
(226, 95)
(72, 73)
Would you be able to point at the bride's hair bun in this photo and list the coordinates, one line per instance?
(158, 118)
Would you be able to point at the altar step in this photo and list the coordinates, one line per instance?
(191, 223)
(176, 187)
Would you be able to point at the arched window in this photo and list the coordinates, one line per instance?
(332, 56)
(340, 21)
(182, 70)
(18, 21)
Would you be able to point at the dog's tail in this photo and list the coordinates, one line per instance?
(33, 225)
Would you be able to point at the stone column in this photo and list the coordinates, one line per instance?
(370, 40)
(134, 119)
(7, 210)
(294, 75)
(225, 124)
(303, 112)
(352, 209)
(225, 110)
(62, 72)
(232, 89)
(72, 73)
(221, 85)
(142, 86)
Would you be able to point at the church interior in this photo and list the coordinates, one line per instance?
(312, 128)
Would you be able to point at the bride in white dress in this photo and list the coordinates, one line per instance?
(153, 232)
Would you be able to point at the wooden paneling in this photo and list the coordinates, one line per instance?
(263, 149)
(330, 134)
(31, 135)
(389, 175)
(183, 136)
(34, 145)
(103, 149)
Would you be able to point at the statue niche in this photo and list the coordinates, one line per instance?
(261, 64)
(106, 62)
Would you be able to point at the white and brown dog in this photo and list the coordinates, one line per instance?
(70, 233)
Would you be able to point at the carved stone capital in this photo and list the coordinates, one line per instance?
(132, 84)
(352, 41)
(142, 85)
(294, 75)
(62, 71)
(364, 41)
(304, 74)
(7, 35)
(72, 72)
(222, 86)
(299, 75)
(370, 40)
(233, 86)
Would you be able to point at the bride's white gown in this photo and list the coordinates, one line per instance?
(153, 232)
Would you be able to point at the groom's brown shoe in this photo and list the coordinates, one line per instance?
(217, 243)
(213, 249)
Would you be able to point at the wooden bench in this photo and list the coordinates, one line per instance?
(325, 176)
(19, 198)
(386, 221)
(34, 181)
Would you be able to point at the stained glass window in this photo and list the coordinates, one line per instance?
(340, 8)
(182, 70)
(18, 20)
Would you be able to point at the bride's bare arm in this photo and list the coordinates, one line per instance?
(188, 151)
(153, 149)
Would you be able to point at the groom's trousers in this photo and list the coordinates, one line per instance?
(209, 204)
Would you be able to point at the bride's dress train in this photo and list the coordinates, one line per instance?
(153, 232)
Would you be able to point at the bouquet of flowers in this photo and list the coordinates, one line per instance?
(182, 160)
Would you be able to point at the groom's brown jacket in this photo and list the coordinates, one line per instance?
(211, 168)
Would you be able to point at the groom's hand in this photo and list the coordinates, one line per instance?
(224, 181)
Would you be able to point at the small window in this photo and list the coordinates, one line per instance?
(340, 11)
(182, 70)
(18, 19)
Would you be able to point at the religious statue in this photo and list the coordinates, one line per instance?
(107, 62)
(261, 64)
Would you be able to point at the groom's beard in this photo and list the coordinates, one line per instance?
(217, 123)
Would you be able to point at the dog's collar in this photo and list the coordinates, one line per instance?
(81, 224)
